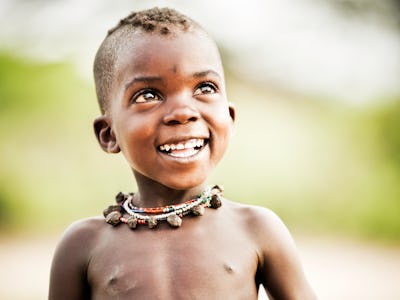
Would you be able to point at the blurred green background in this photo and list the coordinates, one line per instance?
(323, 166)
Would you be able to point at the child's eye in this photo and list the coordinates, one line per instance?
(205, 88)
(145, 96)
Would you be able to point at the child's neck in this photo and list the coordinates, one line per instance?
(153, 194)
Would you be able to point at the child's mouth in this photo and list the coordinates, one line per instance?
(183, 149)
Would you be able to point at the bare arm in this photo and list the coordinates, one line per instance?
(280, 270)
(68, 271)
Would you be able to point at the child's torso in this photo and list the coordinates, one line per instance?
(209, 257)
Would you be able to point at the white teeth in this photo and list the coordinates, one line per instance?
(184, 145)
(185, 154)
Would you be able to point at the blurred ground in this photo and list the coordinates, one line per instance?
(337, 268)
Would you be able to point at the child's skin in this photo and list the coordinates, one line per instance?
(171, 89)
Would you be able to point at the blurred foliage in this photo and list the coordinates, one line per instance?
(48, 145)
(387, 11)
(323, 166)
(389, 121)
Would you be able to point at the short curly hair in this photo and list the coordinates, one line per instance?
(163, 21)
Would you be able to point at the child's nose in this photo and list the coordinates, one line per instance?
(180, 112)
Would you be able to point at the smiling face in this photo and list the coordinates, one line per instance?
(169, 114)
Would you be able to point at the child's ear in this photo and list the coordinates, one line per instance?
(105, 135)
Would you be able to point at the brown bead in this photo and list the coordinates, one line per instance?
(120, 198)
(215, 201)
(111, 208)
(113, 218)
(131, 222)
(174, 220)
(198, 210)
(217, 189)
(152, 222)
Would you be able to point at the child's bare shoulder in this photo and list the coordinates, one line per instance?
(87, 229)
(80, 237)
(262, 224)
(72, 256)
(254, 215)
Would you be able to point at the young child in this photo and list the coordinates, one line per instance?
(161, 89)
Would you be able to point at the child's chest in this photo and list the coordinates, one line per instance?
(173, 264)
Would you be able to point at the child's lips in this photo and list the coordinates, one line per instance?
(184, 148)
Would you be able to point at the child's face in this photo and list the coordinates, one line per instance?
(169, 93)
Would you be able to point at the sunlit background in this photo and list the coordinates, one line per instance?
(316, 84)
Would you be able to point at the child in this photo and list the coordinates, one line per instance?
(160, 85)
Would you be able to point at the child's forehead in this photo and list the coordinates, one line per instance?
(137, 39)
(140, 48)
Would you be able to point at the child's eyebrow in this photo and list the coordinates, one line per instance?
(205, 73)
(145, 79)
(152, 79)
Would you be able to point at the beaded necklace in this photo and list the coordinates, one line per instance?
(151, 216)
